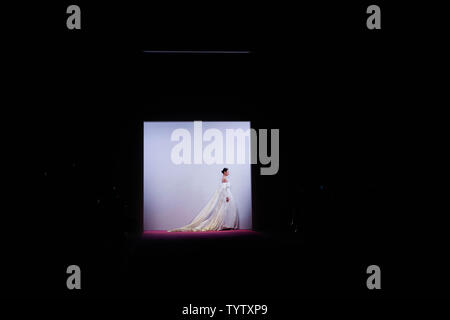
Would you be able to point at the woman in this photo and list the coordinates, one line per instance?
(220, 213)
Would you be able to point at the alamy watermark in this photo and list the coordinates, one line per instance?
(221, 150)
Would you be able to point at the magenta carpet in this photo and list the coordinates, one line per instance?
(163, 234)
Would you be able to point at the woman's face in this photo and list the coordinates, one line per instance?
(226, 173)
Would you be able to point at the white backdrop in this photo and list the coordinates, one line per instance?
(174, 194)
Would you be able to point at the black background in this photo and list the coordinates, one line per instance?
(358, 151)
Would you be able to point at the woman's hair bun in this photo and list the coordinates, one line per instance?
(224, 169)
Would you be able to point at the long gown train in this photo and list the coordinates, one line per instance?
(218, 214)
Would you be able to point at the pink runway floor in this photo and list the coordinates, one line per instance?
(163, 234)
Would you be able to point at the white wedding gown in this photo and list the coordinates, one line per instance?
(218, 214)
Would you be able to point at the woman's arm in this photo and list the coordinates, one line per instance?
(227, 192)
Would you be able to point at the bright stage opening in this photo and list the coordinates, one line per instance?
(182, 170)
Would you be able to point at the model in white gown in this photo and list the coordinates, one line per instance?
(218, 214)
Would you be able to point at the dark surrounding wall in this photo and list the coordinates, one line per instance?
(349, 193)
